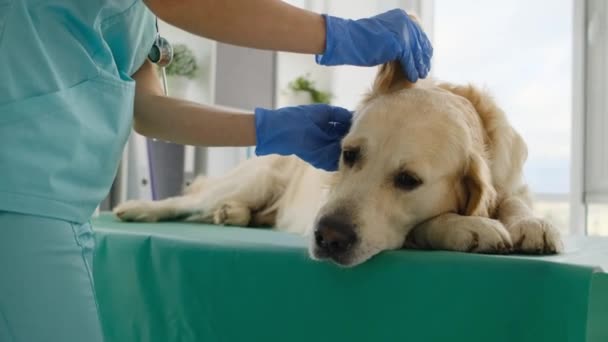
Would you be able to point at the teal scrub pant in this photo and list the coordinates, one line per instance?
(46, 280)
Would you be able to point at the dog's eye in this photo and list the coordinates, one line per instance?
(407, 181)
(350, 156)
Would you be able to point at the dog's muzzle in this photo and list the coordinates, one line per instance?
(335, 238)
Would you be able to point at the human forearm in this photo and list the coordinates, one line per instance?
(186, 122)
(262, 24)
(189, 123)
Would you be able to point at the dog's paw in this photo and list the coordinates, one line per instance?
(485, 239)
(485, 236)
(454, 232)
(141, 211)
(535, 236)
(232, 214)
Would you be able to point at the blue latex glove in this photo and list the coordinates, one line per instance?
(311, 132)
(380, 39)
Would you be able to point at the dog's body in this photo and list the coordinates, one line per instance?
(283, 192)
(427, 166)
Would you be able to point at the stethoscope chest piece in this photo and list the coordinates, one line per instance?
(161, 53)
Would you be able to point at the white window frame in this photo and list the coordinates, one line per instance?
(578, 209)
(594, 36)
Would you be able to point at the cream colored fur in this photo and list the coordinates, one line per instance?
(453, 138)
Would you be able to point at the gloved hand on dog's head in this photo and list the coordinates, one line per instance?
(311, 132)
(387, 37)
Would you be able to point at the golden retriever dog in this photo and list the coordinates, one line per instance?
(427, 166)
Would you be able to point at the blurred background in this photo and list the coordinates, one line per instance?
(544, 61)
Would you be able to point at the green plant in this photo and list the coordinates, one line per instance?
(303, 83)
(184, 62)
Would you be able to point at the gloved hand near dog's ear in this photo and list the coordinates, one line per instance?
(387, 37)
(311, 132)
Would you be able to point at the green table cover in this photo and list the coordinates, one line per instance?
(190, 282)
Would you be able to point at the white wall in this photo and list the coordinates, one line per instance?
(245, 79)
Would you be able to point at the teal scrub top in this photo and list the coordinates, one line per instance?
(66, 100)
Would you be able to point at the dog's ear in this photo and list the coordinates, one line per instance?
(509, 150)
(480, 195)
(390, 77)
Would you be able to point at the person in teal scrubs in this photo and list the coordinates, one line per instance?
(74, 81)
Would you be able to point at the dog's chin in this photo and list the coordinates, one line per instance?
(347, 260)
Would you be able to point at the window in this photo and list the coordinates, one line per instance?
(522, 53)
(597, 221)
(594, 122)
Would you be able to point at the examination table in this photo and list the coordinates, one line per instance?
(191, 282)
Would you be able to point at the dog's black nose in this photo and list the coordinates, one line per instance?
(335, 235)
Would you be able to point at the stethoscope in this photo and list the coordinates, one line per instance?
(161, 54)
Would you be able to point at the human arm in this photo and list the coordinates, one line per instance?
(184, 122)
(312, 132)
(276, 25)
(262, 24)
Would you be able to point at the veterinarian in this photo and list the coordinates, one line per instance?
(75, 78)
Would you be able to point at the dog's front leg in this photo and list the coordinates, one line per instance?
(530, 235)
(460, 233)
(152, 211)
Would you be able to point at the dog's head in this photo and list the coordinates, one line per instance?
(413, 152)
